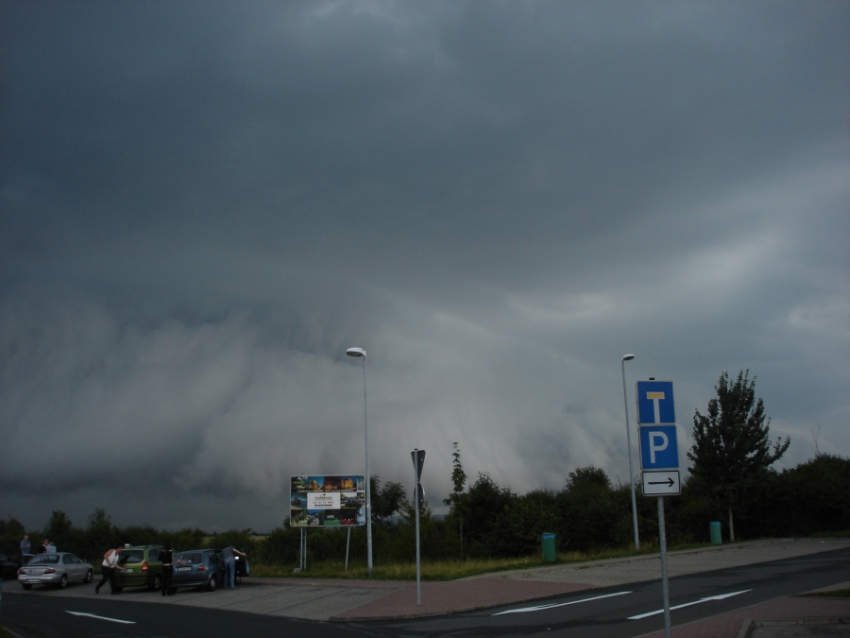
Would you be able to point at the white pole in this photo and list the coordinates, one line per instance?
(347, 544)
(416, 506)
(665, 585)
(368, 477)
(629, 357)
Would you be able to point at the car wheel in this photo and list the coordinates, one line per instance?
(156, 583)
(89, 576)
(212, 584)
(63, 582)
(25, 586)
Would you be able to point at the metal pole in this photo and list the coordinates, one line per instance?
(416, 506)
(629, 444)
(347, 545)
(368, 478)
(665, 586)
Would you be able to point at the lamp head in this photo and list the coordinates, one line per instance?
(356, 352)
(628, 357)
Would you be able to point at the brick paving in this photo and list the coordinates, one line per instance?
(455, 596)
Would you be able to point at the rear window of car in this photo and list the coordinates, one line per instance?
(131, 556)
(153, 554)
(194, 558)
(45, 559)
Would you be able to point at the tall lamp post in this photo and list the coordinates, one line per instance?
(360, 352)
(629, 357)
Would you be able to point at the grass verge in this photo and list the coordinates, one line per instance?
(448, 569)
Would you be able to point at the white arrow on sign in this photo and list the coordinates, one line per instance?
(661, 483)
(695, 602)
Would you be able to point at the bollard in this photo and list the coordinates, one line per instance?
(716, 536)
(549, 547)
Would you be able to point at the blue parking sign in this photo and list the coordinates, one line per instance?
(655, 402)
(659, 449)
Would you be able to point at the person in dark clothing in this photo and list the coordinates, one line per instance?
(166, 556)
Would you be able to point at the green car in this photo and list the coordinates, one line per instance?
(142, 568)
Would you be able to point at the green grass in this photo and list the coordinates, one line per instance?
(448, 569)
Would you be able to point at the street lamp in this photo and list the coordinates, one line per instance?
(629, 357)
(360, 352)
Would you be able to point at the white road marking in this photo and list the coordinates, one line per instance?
(81, 613)
(694, 602)
(526, 610)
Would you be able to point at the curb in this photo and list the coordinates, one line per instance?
(748, 626)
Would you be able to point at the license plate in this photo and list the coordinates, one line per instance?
(184, 569)
(32, 580)
(128, 571)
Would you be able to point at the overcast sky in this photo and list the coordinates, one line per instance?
(205, 203)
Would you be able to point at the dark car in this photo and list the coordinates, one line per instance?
(9, 566)
(142, 568)
(198, 568)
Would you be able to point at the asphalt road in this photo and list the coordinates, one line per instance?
(596, 613)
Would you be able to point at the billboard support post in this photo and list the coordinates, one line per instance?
(347, 545)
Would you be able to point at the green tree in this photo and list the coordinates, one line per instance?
(457, 500)
(387, 500)
(732, 451)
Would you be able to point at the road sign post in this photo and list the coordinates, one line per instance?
(659, 460)
(418, 457)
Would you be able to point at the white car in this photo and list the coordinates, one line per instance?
(57, 569)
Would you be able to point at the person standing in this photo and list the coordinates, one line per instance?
(166, 557)
(26, 548)
(44, 545)
(51, 548)
(108, 568)
(230, 565)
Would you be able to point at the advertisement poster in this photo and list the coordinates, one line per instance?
(329, 500)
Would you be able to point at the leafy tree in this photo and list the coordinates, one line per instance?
(589, 510)
(457, 500)
(387, 500)
(732, 451)
(59, 529)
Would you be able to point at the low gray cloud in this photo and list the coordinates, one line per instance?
(204, 204)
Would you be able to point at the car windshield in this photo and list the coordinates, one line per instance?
(193, 558)
(131, 556)
(45, 559)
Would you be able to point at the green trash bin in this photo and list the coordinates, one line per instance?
(549, 547)
(716, 537)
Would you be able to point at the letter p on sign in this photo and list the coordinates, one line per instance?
(658, 447)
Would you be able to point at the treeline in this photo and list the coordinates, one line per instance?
(487, 519)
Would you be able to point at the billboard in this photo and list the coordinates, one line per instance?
(327, 500)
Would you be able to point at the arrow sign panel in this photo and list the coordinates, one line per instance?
(661, 483)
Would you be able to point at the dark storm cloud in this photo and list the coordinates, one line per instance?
(204, 204)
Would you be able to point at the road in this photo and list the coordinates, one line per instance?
(611, 612)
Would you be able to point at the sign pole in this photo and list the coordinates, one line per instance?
(665, 585)
(418, 457)
(416, 506)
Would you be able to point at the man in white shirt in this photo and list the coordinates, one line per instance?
(108, 568)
